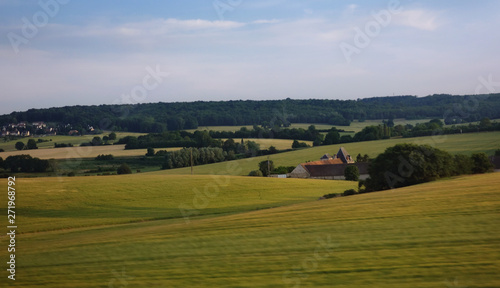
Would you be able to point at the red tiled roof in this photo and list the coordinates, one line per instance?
(324, 162)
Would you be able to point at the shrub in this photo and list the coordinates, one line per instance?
(408, 164)
(71, 174)
(481, 163)
(26, 163)
(272, 150)
(283, 169)
(62, 145)
(266, 167)
(124, 169)
(1, 150)
(296, 144)
(331, 195)
(351, 173)
(31, 144)
(19, 145)
(255, 173)
(463, 164)
(151, 152)
(96, 141)
(349, 192)
(104, 157)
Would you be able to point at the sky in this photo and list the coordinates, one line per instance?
(57, 53)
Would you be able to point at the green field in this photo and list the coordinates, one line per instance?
(280, 144)
(82, 152)
(119, 150)
(440, 234)
(75, 140)
(355, 126)
(469, 143)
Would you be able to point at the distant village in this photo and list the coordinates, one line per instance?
(39, 129)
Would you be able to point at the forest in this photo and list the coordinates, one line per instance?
(161, 117)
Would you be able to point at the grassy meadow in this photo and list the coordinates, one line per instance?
(469, 143)
(126, 232)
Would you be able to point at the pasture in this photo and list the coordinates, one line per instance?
(126, 231)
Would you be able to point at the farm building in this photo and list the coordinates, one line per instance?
(329, 167)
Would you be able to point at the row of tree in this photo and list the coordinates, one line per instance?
(160, 117)
(194, 156)
(24, 163)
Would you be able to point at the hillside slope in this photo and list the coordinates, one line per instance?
(456, 144)
(440, 234)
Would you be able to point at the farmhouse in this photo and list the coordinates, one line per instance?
(329, 167)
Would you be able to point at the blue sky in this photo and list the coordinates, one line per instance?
(99, 52)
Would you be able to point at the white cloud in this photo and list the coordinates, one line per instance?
(264, 21)
(419, 19)
(351, 8)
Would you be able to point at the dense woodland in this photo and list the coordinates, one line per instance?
(161, 117)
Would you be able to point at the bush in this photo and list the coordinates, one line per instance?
(19, 145)
(463, 164)
(62, 145)
(31, 144)
(481, 163)
(283, 170)
(1, 150)
(266, 167)
(272, 150)
(296, 144)
(349, 192)
(71, 174)
(351, 173)
(408, 164)
(331, 195)
(151, 152)
(104, 157)
(255, 173)
(124, 169)
(96, 141)
(497, 152)
(26, 163)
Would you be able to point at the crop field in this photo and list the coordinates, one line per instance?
(355, 126)
(254, 232)
(81, 152)
(119, 150)
(470, 143)
(280, 144)
(75, 140)
(80, 202)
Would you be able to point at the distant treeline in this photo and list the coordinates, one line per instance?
(431, 128)
(161, 117)
(24, 163)
(386, 130)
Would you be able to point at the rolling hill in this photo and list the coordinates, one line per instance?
(440, 234)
